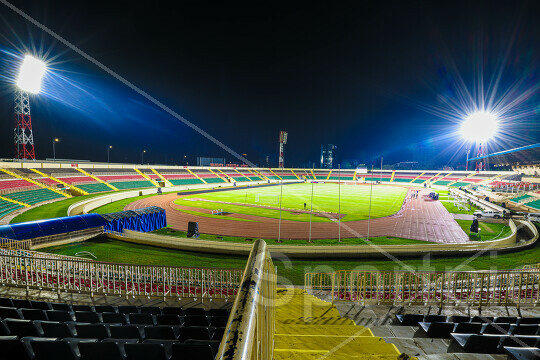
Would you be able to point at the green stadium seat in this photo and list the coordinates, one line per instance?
(123, 185)
(191, 181)
(94, 187)
(34, 196)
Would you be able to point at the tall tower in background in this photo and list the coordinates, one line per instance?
(327, 156)
(282, 142)
(23, 136)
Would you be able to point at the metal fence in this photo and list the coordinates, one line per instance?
(250, 329)
(98, 278)
(30, 253)
(15, 244)
(475, 288)
(86, 233)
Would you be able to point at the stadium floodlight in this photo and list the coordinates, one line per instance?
(479, 126)
(31, 74)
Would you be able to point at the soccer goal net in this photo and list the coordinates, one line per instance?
(267, 198)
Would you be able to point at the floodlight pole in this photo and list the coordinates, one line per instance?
(280, 198)
(339, 202)
(369, 211)
(142, 156)
(467, 162)
(108, 153)
(311, 211)
(54, 148)
(380, 175)
(23, 135)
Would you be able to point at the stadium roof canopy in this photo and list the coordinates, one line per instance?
(525, 155)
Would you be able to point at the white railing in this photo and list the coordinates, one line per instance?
(100, 278)
(475, 288)
(15, 244)
(86, 233)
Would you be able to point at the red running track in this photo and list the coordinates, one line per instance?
(418, 219)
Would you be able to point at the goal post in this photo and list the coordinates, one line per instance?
(269, 199)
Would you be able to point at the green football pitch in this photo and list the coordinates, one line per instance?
(353, 202)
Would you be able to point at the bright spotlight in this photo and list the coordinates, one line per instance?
(479, 126)
(31, 74)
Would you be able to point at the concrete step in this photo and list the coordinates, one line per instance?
(343, 330)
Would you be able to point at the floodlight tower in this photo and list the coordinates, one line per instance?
(282, 142)
(479, 127)
(29, 81)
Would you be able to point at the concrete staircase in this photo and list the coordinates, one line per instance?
(310, 328)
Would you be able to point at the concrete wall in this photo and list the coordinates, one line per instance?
(329, 251)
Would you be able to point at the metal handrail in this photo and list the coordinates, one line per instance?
(250, 329)
(476, 288)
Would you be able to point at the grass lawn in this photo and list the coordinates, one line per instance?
(354, 201)
(383, 240)
(49, 211)
(489, 231)
(291, 271)
(118, 205)
(449, 205)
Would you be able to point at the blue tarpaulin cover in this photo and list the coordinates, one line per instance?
(47, 227)
(143, 220)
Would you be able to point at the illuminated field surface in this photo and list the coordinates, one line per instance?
(353, 204)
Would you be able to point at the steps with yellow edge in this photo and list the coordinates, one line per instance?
(308, 328)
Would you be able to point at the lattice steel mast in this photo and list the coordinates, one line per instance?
(23, 136)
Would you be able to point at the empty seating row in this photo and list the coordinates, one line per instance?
(444, 329)
(10, 184)
(534, 204)
(460, 184)
(112, 317)
(520, 198)
(44, 328)
(414, 319)
(479, 334)
(94, 188)
(190, 181)
(32, 348)
(7, 207)
(34, 196)
(122, 185)
(493, 344)
(19, 304)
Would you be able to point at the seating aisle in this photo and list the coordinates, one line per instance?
(310, 328)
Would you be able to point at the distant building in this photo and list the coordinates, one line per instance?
(327, 156)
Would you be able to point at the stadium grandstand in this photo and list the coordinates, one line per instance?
(231, 260)
(177, 312)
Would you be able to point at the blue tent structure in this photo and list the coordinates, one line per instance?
(143, 220)
(47, 227)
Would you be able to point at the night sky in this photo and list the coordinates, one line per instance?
(359, 75)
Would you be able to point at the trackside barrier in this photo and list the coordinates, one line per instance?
(99, 278)
(72, 235)
(474, 288)
(30, 253)
(250, 329)
(15, 244)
